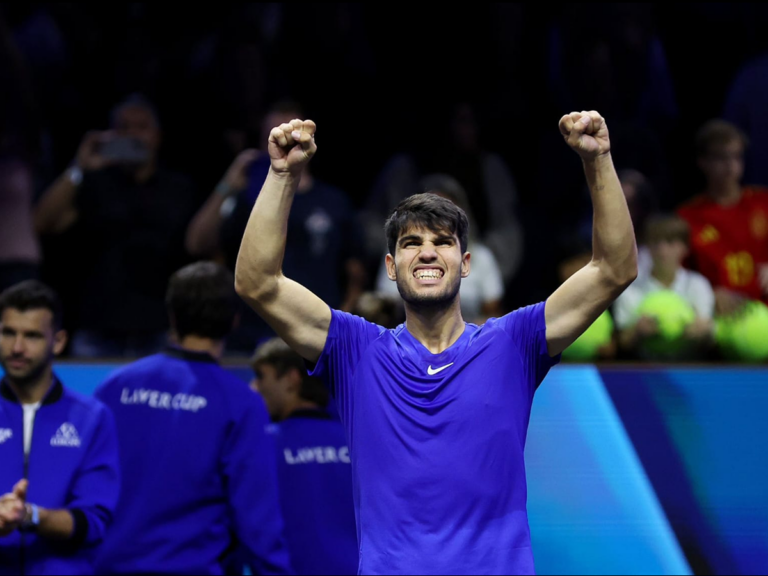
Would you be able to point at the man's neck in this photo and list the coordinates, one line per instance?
(437, 329)
(297, 405)
(206, 345)
(664, 276)
(35, 392)
(727, 195)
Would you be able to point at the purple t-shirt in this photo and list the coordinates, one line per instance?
(437, 442)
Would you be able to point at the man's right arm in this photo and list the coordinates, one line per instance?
(56, 211)
(294, 313)
(202, 237)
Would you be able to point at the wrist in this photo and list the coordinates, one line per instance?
(602, 159)
(31, 522)
(74, 175)
(285, 176)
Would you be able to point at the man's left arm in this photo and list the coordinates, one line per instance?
(588, 293)
(53, 524)
(18, 514)
(94, 493)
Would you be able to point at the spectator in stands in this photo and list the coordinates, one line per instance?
(729, 221)
(490, 189)
(133, 215)
(482, 293)
(197, 462)
(325, 245)
(668, 240)
(60, 472)
(313, 464)
(19, 250)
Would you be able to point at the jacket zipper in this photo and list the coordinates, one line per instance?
(26, 477)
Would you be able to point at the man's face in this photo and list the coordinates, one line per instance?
(724, 164)
(139, 123)
(428, 267)
(276, 390)
(28, 344)
(668, 254)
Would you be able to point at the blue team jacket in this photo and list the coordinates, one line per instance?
(198, 470)
(316, 493)
(73, 465)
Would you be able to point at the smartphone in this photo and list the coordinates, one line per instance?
(125, 150)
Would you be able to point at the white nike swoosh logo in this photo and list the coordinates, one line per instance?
(434, 372)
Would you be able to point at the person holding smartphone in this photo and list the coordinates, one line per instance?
(128, 215)
(326, 248)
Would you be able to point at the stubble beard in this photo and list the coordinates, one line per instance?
(432, 302)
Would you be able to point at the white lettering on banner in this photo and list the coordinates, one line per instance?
(5, 435)
(318, 455)
(162, 400)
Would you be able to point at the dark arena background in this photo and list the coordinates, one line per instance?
(647, 451)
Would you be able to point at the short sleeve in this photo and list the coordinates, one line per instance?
(348, 338)
(527, 328)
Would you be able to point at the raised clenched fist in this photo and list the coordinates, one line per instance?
(586, 133)
(292, 146)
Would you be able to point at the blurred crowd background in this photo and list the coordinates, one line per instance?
(132, 142)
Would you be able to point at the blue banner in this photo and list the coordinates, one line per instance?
(634, 471)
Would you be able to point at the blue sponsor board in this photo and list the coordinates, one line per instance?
(633, 471)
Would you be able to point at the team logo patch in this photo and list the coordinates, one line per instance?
(709, 235)
(5, 435)
(66, 437)
(760, 226)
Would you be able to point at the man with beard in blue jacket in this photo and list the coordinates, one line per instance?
(58, 449)
(198, 466)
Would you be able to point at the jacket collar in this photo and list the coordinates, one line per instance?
(55, 393)
(318, 414)
(189, 355)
